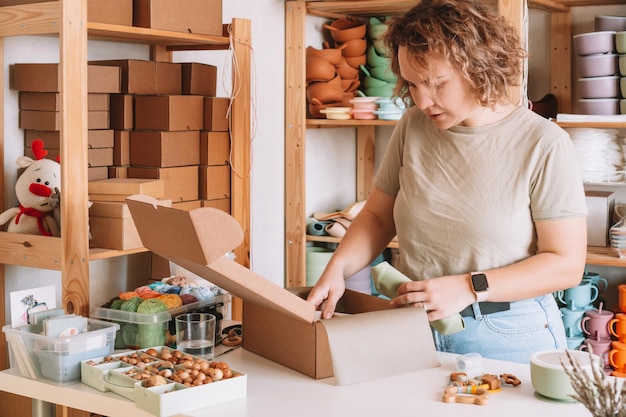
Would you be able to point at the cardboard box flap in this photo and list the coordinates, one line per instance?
(198, 241)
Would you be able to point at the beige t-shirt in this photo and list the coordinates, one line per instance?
(467, 197)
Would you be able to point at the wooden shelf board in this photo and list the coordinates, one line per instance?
(321, 123)
(605, 125)
(31, 250)
(330, 239)
(101, 253)
(44, 18)
(604, 257)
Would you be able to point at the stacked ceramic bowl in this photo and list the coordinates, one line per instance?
(378, 78)
(600, 153)
(390, 108)
(332, 73)
(599, 85)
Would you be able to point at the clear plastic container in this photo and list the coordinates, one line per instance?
(35, 356)
(132, 324)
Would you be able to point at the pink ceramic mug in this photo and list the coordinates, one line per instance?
(595, 324)
(599, 347)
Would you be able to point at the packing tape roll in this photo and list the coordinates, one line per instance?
(317, 228)
(387, 279)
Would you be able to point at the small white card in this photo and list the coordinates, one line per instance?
(25, 302)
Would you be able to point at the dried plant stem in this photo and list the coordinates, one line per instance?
(599, 394)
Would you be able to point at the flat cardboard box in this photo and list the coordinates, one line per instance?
(118, 171)
(168, 78)
(164, 149)
(109, 233)
(121, 147)
(96, 138)
(112, 12)
(128, 186)
(99, 157)
(137, 76)
(214, 182)
(45, 78)
(187, 205)
(199, 79)
(50, 101)
(97, 173)
(96, 157)
(279, 324)
(181, 183)
(197, 16)
(51, 120)
(600, 205)
(220, 204)
(216, 114)
(214, 148)
(168, 113)
(122, 112)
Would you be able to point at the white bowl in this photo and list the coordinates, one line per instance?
(599, 106)
(614, 23)
(599, 87)
(598, 65)
(594, 42)
(547, 372)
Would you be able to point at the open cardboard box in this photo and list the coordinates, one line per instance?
(371, 342)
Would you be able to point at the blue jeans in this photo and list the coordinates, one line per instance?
(529, 326)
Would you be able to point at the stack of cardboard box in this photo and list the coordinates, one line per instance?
(39, 116)
(147, 120)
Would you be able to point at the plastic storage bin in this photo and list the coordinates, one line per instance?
(35, 356)
(132, 324)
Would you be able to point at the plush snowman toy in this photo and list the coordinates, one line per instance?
(37, 191)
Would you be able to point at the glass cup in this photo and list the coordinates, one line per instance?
(195, 334)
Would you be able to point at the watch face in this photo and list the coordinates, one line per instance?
(479, 281)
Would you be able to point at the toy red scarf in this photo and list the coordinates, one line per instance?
(34, 213)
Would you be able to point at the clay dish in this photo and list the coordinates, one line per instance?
(324, 92)
(356, 61)
(315, 106)
(350, 85)
(332, 55)
(354, 48)
(343, 30)
(346, 71)
(319, 69)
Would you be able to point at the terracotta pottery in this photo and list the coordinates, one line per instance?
(332, 55)
(353, 48)
(346, 71)
(357, 61)
(350, 85)
(342, 30)
(315, 106)
(319, 69)
(324, 92)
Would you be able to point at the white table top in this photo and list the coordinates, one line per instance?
(274, 390)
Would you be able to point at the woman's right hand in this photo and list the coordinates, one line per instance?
(326, 293)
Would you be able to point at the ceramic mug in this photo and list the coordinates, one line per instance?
(595, 279)
(572, 321)
(599, 347)
(574, 342)
(621, 289)
(617, 356)
(617, 326)
(580, 296)
(595, 324)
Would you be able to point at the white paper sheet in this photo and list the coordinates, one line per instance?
(380, 344)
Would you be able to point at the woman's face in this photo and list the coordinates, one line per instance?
(440, 92)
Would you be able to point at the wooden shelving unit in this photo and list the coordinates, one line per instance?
(67, 19)
(297, 124)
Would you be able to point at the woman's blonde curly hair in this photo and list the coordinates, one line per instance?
(481, 45)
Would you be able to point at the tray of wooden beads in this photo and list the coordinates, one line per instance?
(165, 381)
